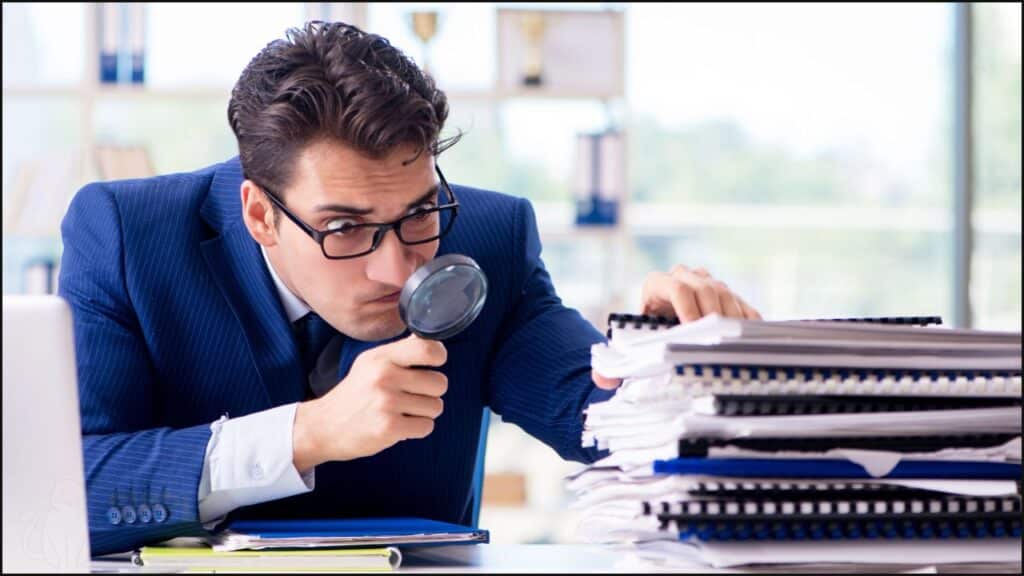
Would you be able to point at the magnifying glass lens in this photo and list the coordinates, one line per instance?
(443, 297)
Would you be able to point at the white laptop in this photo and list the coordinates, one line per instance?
(45, 527)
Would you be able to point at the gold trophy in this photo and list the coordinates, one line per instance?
(424, 25)
(532, 25)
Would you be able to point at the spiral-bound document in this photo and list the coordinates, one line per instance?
(834, 468)
(782, 405)
(797, 519)
(828, 345)
(626, 328)
(696, 379)
(623, 321)
(703, 447)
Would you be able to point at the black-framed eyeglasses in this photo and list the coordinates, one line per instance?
(359, 239)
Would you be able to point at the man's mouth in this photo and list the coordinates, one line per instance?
(388, 298)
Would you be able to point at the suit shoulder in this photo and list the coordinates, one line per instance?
(489, 208)
(181, 185)
(492, 224)
(146, 199)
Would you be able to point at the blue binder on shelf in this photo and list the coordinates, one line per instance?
(343, 532)
(831, 468)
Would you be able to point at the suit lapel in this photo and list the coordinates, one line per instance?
(240, 272)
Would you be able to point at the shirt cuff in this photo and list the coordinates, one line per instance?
(249, 460)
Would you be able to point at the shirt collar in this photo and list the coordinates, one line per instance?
(294, 307)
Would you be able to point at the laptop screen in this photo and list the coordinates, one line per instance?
(45, 527)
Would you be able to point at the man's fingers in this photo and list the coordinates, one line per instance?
(606, 383)
(423, 382)
(415, 427)
(415, 351)
(689, 294)
(656, 290)
(684, 302)
(748, 311)
(666, 295)
(708, 299)
(730, 305)
(418, 405)
(702, 288)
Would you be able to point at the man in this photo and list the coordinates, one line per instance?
(209, 306)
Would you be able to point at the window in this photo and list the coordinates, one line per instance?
(996, 262)
(799, 152)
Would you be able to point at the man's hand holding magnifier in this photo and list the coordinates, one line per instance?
(385, 398)
(393, 392)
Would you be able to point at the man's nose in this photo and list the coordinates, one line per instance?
(390, 262)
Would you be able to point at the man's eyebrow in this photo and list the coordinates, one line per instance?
(341, 208)
(427, 197)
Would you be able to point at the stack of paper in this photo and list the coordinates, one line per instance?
(734, 442)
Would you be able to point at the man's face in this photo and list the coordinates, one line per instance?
(334, 184)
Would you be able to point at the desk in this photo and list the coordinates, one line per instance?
(580, 558)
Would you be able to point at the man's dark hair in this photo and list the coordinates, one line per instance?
(329, 80)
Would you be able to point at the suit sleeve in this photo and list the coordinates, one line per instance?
(541, 374)
(141, 479)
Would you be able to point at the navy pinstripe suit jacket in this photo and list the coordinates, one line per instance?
(177, 322)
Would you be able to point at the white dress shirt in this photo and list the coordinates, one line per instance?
(249, 459)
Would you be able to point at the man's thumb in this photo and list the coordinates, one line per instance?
(606, 383)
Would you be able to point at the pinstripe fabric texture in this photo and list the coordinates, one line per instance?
(177, 322)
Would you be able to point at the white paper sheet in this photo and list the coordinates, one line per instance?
(724, 554)
(923, 554)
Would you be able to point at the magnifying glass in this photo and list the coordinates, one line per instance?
(443, 297)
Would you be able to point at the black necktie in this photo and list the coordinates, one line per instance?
(313, 333)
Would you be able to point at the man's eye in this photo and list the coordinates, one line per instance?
(421, 211)
(339, 224)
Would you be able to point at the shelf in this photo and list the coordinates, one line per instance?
(42, 90)
(143, 91)
(527, 93)
(117, 91)
(33, 236)
(216, 91)
(572, 232)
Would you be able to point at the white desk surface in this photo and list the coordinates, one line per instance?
(579, 558)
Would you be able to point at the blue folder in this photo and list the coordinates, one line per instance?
(834, 468)
(342, 532)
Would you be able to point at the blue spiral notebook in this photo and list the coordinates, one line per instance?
(829, 468)
(342, 532)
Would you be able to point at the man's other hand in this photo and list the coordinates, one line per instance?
(687, 294)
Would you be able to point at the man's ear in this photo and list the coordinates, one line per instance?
(258, 214)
